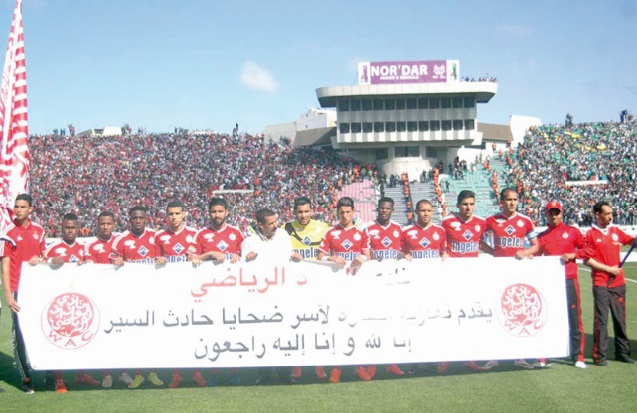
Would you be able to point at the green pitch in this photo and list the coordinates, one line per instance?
(561, 388)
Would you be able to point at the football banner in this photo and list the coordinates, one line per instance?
(292, 314)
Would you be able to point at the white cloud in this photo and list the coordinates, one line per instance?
(257, 77)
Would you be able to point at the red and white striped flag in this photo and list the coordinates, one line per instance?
(14, 131)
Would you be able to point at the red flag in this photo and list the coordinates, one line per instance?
(14, 131)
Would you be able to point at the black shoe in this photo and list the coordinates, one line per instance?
(601, 363)
(27, 387)
(625, 359)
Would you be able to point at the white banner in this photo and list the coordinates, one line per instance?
(292, 314)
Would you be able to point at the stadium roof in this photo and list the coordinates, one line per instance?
(493, 132)
(318, 136)
(483, 91)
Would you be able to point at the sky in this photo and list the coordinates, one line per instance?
(208, 64)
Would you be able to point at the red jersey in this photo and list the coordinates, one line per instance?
(70, 253)
(21, 244)
(100, 251)
(384, 241)
(348, 243)
(604, 244)
(227, 240)
(464, 237)
(176, 246)
(134, 248)
(560, 240)
(509, 233)
(422, 243)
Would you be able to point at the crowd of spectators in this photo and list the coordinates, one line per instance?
(601, 157)
(85, 175)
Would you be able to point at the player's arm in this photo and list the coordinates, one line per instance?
(323, 256)
(6, 282)
(533, 249)
(596, 265)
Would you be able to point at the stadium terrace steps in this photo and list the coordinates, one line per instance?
(400, 205)
(365, 198)
(426, 190)
(480, 183)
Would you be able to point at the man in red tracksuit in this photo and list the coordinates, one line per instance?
(569, 243)
(609, 285)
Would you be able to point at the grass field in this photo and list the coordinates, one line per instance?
(561, 388)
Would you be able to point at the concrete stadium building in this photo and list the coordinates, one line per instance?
(407, 116)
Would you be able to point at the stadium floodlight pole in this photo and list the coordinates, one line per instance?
(632, 247)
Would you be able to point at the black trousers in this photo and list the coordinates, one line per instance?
(614, 299)
(575, 326)
(19, 349)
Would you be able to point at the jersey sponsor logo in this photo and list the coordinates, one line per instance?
(467, 235)
(385, 254)
(386, 242)
(425, 254)
(70, 321)
(143, 251)
(510, 242)
(346, 244)
(509, 230)
(307, 241)
(142, 261)
(522, 310)
(347, 256)
(464, 247)
(307, 253)
(177, 258)
(73, 259)
(424, 242)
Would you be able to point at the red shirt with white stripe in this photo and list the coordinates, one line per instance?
(423, 243)
(464, 237)
(21, 244)
(348, 243)
(605, 244)
(133, 248)
(509, 233)
(70, 253)
(176, 246)
(385, 241)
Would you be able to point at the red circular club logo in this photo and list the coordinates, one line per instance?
(70, 320)
(523, 310)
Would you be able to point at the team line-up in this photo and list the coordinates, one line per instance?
(349, 243)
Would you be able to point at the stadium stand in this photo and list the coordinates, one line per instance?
(578, 165)
(88, 174)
